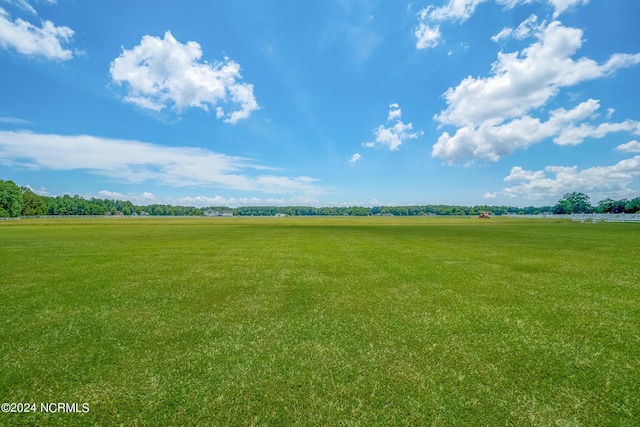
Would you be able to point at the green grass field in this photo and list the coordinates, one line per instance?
(321, 321)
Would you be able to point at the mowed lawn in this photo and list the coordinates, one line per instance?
(321, 321)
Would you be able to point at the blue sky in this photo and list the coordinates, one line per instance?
(323, 103)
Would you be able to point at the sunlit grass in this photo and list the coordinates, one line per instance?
(321, 321)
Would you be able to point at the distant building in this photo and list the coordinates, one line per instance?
(211, 212)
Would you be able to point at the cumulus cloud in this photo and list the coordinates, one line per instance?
(629, 147)
(495, 139)
(31, 40)
(393, 136)
(492, 113)
(554, 181)
(523, 81)
(137, 162)
(355, 158)
(163, 73)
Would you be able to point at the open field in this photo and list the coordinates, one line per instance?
(321, 321)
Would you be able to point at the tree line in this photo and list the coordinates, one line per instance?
(576, 202)
(22, 201)
(18, 201)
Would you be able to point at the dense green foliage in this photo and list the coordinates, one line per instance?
(22, 201)
(10, 199)
(76, 205)
(321, 321)
(576, 202)
(384, 210)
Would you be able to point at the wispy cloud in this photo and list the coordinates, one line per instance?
(147, 198)
(24, 5)
(428, 33)
(130, 161)
(354, 158)
(528, 27)
(629, 147)
(13, 121)
(30, 40)
(163, 73)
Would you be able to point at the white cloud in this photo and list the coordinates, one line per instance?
(573, 135)
(492, 112)
(610, 112)
(112, 195)
(454, 10)
(494, 139)
(31, 40)
(233, 202)
(137, 199)
(164, 73)
(24, 5)
(355, 158)
(562, 5)
(13, 121)
(395, 112)
(392, 137)
(554, 181)
(428, 33)
(524, 30)
(629, 147)
(523, 81)
(136, 162)
(488, 195)
(206, 200)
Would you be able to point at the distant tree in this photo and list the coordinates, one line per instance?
(500, 210)
(618, 206)
(632, 206)
(32, 204)
(562, 208)
(10, 199)
(605, 206)
(574, 202)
